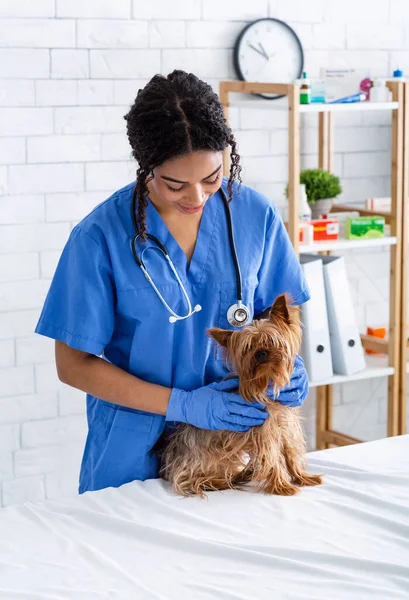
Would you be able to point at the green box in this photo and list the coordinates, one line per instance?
(365, 228)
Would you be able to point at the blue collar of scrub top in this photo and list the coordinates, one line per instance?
(238, 314)
(194, 269)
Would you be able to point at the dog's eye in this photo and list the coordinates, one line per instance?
(262, 355)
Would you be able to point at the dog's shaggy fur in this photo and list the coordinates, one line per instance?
(271, 455)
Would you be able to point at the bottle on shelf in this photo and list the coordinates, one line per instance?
(304, 209)
(305, 90)
(379, 91)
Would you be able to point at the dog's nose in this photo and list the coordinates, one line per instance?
(262, 355)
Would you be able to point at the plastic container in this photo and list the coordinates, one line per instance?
(318, 91)
(306, 232)
(379, 92)
(304, 209)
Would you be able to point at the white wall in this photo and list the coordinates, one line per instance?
(69, 70)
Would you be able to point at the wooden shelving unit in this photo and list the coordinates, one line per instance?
(402, 421)
(396, 366)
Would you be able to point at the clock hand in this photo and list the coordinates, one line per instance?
(264, 52)
(257, 50)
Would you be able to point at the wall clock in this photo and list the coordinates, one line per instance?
(268, 51)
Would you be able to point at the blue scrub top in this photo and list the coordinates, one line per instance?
(100, 302)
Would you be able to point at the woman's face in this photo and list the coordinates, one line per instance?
(187, 182)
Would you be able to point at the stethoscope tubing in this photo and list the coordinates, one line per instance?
(139, 260)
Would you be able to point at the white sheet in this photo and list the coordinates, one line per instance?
(348, 539)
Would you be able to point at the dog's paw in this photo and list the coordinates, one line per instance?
(280, 488)
(305, 479)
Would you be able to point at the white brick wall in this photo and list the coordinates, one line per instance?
(26, 121)
(17, 92)
(64, 148)
(125, 64)
(114, 34)
(69, 64)
(7, 353)
(17, 266)
(26, 8)
(29, 179)
(21, 209)
(69, 70)
(104, 9)
(23, 63)
(37, 33)
(328, 36)
(53, 431)
(89, 119)
(161, 9)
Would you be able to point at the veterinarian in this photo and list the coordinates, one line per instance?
(129, 312)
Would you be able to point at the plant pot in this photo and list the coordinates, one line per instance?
(321, 207)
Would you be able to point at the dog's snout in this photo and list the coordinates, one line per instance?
(262, 355)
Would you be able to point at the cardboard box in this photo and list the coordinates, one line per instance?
(342, 217)
(365, 228)
(381, 204)
(342, 82)
(324, 229)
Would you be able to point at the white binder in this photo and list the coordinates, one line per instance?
(316, 346)
(346, 346)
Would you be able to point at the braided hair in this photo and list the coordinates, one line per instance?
(174, 116)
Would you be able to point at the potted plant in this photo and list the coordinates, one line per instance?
(321, 188)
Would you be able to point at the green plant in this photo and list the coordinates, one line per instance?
(319, 185)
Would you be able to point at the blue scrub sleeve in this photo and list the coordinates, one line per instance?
(79, 307)
(280, 271)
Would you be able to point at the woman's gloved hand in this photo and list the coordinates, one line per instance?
(215, 407)
(295, 393)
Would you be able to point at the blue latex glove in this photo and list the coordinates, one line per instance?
(295, 393)
(215, 407)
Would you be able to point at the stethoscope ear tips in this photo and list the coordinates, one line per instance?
(174, 319)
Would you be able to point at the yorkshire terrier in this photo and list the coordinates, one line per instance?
(270, 456)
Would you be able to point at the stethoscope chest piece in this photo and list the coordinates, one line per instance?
(238, 315)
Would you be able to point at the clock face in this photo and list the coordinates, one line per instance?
(268, 51)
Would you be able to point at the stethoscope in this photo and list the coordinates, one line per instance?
(238, 314)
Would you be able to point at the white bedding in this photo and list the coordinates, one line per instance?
(348, 539)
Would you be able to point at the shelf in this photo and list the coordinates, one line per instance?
(316, 108)
(375, 367)
(364, 212)
(343, 244)
(357, 106)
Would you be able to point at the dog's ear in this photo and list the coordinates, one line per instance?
(280, 309)
(221, 336)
